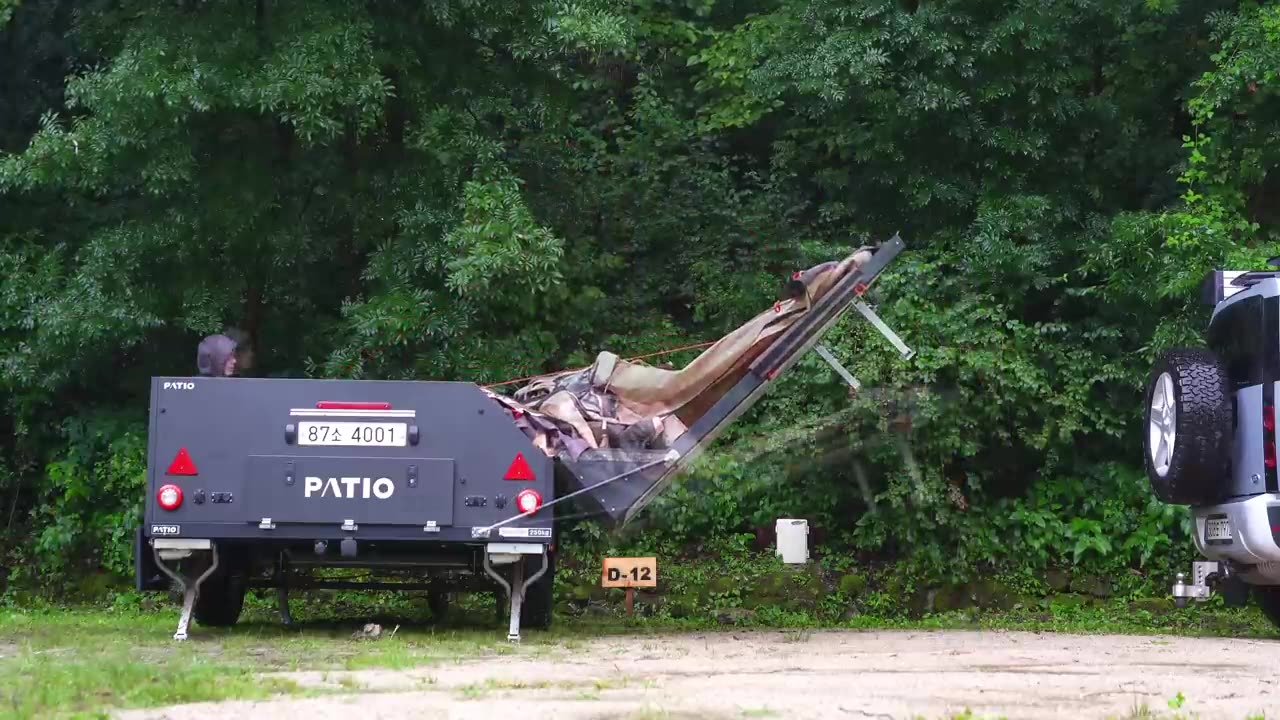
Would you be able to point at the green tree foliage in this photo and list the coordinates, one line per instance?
(451, 189)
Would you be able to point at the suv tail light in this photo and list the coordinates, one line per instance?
(1269, 436)
(528, 501)
(169, 497)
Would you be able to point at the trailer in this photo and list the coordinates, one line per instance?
(445, 486)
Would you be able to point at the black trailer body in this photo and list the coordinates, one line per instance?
(269, 474)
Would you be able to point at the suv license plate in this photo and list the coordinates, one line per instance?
(1217, 529)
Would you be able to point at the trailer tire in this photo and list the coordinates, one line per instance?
(221, 597)
(539, 599)
(1193, 424)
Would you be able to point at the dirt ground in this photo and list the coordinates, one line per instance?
(802, 675)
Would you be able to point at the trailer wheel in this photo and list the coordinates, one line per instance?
(540, 597)
(1187, 446)
(221, 597)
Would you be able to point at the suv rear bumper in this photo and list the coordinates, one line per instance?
(1244, 532)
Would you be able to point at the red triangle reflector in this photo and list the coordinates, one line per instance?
(519, 469)
(182, 464)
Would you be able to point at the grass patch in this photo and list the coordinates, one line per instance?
(81, 662)
(40, 685)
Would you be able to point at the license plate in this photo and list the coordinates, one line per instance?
(357, 434)
(1217, 529)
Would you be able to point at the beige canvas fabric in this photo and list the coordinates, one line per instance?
(626, 392)
(645, 391)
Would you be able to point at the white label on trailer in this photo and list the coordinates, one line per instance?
(166, 529)
(524, 532)
(359, 434)
(1217, 529)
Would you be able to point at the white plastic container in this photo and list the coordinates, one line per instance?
(793, 540)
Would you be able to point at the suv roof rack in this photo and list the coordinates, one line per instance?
(1218, 285)
(1253, 277)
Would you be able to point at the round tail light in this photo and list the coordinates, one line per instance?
(169, 497)
(528, 501)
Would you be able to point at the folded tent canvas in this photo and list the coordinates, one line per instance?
(618, 415)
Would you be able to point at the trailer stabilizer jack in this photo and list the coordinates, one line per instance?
(513, 554)
(190, 590)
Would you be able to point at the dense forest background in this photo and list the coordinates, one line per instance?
(455, 189)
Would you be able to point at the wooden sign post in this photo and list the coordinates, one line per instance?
(629, 573)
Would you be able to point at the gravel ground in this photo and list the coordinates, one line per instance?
(802, 675)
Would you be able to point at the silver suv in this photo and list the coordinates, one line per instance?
(1211, 438)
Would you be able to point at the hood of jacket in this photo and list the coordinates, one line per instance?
(213, 353)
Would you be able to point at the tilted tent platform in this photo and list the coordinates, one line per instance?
(619, 482)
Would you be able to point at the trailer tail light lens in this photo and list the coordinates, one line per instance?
(528, 501)
(169, 497)
(351, 405)
(1269, 436)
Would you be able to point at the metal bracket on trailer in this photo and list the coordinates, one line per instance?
(175, 549)
(906, 352)
(513, 554)
(835, 365)
(888, 333)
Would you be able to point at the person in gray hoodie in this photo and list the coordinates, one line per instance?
(216, 356)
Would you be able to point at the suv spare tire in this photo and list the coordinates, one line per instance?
(1188, 423)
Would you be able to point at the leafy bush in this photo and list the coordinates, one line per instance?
(90, 502)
